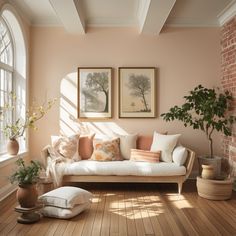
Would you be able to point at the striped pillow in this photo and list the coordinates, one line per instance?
(143, 155)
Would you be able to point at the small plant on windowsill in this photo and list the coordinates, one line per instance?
(15, 129)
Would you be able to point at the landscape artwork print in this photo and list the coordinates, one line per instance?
(94, 92)
(137, 92)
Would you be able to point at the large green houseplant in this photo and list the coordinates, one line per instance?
(206, 110)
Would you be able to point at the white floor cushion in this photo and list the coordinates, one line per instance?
(64, 213)
(66, 197)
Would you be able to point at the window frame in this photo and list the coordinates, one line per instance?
(6, 68)
(19, 69)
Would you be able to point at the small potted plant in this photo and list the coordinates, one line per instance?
(15, 129)
(26, 176)
(207, 110)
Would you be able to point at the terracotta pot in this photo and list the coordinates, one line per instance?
(208, 172)
(27, 195)
(12, 147)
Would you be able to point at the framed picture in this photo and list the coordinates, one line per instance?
(94, 92)
(137, 92)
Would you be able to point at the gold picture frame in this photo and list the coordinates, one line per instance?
(95, 92)
(137, 92)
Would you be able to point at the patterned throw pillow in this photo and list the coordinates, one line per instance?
(144, 155)
(67, 146)
(106, 150)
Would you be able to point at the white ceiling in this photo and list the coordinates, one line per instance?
(149, 16)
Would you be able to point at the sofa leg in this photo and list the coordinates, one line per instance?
(180, 185)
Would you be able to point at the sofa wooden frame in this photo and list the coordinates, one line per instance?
(179, 179)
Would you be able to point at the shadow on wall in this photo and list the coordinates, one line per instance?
(69, 123)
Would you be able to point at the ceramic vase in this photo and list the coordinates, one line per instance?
(208, 172)
(12, 147)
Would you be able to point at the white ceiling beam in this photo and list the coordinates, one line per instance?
(153, 15)
(69, 14)
(228, 13)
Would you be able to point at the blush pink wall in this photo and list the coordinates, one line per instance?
(184, 57)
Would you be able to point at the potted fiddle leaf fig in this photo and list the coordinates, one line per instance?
(26, 176)
(205, 109)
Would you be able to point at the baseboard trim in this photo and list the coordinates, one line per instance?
(6, 191)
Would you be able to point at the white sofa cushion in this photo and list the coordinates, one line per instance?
(179, 155)
(127, 142)
(64, 213)
(122, 168)
(165, 144)
(66, 197)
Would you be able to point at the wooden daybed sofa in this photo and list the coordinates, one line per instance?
(143, 142)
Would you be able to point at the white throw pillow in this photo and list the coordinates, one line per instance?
(127, 142)
(165, 144)
(179, 155)
(66, 197)
(64, 213)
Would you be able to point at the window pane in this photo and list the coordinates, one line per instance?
(6, 49)
(6, 116)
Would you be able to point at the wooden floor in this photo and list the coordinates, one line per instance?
(135, 209)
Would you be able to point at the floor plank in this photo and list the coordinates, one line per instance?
(131, 227)
(134, 209)
(85, 228)
(114, 208)
(105, 228)
(209, 213)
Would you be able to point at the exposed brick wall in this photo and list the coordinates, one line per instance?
(228, 67)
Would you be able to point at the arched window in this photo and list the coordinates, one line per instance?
(12, 68)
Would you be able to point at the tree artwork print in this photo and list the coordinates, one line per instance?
(94, 92)
(140, 87)
(137, 92)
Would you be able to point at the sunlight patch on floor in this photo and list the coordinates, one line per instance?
(179, 201)
(136, 208)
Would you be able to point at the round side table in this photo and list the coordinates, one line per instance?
(44, 185)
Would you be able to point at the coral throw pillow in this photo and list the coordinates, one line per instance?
(144, 155)
(86, 146)
(144, 142)
(106, 150)
(67, 146)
